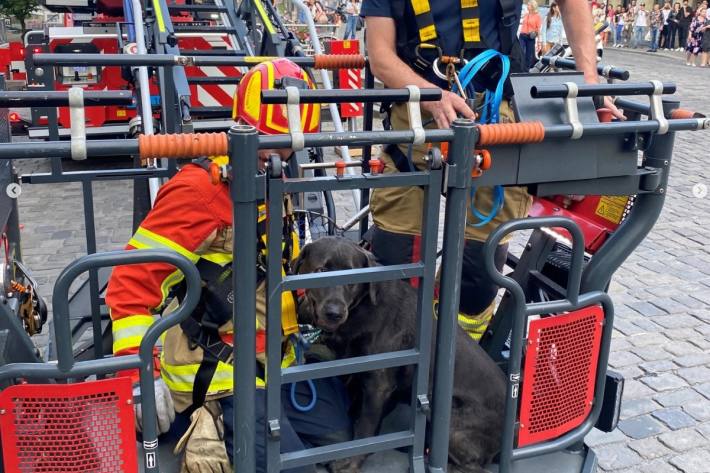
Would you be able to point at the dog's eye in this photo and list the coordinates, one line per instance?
(321, 270)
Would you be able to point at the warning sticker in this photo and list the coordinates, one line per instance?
(611, 207)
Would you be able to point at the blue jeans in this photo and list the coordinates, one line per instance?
(654, 38)
(639, 32)
(350, 27)
(618, 39)
(527, 44)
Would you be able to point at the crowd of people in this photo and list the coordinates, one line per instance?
(670, 27)
(657, 26)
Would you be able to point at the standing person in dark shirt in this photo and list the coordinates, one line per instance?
(686, 16)
(396, 30)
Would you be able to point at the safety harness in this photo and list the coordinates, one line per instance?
(421, 51)
(215, 306)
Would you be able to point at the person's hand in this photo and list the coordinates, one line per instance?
(609, 103)
(164, 407)
(446, 110)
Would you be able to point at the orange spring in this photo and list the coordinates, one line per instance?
(684, 113)
(339, 61)
(17, 287)
(511, 133)
(450, 60)
(186, 145)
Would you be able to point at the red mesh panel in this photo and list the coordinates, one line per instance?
(69, 428)
(559, 374)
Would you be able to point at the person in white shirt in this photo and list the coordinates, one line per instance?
(640, 25)
(352, 10)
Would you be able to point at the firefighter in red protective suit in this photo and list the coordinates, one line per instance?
(193, 217)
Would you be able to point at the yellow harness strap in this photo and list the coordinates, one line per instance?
(470, 22)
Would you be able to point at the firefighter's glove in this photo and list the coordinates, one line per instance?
(203, 443)
(164, 407)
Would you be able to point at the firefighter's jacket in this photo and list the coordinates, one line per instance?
(194, 218)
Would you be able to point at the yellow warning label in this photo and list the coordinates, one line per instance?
(120, 112)
(612, 207)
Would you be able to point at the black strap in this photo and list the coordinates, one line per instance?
(203, 378)
(401, 161)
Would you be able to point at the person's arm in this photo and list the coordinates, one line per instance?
(577, 20)
(395, 73)
(181, 221)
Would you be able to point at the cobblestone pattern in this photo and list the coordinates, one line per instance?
(662, 293)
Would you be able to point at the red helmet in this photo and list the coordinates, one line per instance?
(272, 119)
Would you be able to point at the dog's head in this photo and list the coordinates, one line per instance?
(329, 307)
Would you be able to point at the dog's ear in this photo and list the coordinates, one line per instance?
(298, 262)
(369, 262)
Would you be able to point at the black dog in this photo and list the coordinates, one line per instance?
(365, 319)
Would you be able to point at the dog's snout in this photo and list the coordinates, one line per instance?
(334, 312)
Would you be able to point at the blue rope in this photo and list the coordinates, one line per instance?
(298, 342)
(498, 202)
(490, 113)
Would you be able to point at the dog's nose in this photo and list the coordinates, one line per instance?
(334, 312)
(334, 315)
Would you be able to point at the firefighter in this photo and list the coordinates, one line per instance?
(193, 217)
(413, 40)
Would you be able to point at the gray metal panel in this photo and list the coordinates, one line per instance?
(604, 156)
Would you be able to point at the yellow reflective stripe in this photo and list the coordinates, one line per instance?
(218, 258)
(131, 321)
(129, 331)
(174, 278)
(427, 33)
(289, 357)
(264, 17)
(181, 378)
(471, 30)
(475, 325)
(262, 212)
(159, 16)
(144, 238)
(469, 3)
(420, 6)
(127, 343)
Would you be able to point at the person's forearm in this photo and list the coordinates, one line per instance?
(394, 72)
(577, 20)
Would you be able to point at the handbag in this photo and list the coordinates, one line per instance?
(360, 23)
(532, 34)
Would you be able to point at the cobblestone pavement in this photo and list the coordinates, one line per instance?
(662, 293)
(662, 296)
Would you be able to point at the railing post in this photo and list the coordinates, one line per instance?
(458, 184)
(243, 146)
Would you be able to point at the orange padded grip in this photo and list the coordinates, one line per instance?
(185, 145)
(339, 61)
(684, 113)
(511, 133)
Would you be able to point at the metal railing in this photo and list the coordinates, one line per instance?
(512, 151)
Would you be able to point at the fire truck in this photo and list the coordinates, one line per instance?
(551, 333)
(101, 28)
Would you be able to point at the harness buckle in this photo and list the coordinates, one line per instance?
(419, 59)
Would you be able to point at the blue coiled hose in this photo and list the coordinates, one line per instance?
(490, 113)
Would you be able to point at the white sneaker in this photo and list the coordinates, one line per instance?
(687, 64)
(694, 65)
